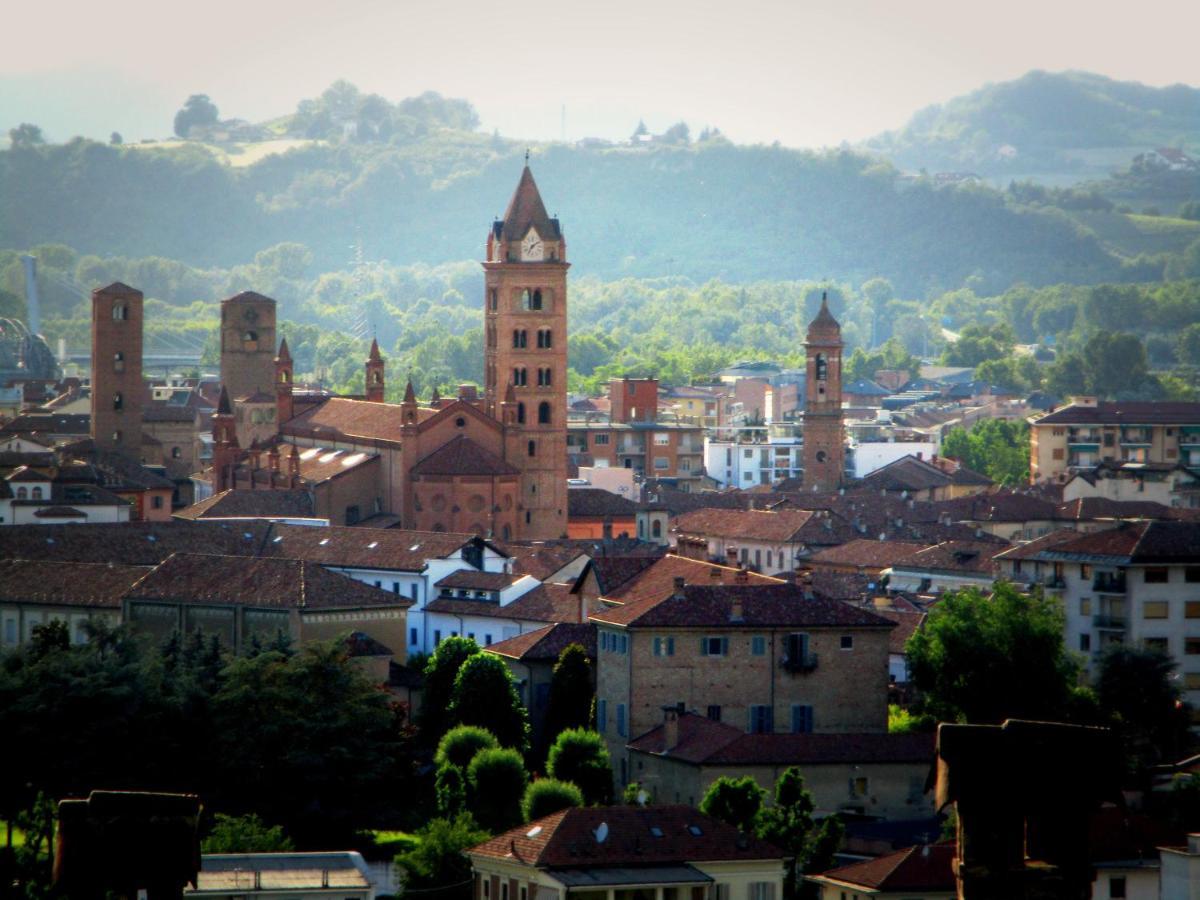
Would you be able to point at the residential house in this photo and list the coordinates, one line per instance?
(739, 463)
(1136, 584)
(488, 607)
(626, 853)
(532, 657)
(771, 541)
(948, 566)
(873, 774)
(1086, 432)
(1171, 484)
(862, 557)
(593, 512)
(937, 479)
(765, 658)
(698, 405)
(670, 451)
(924, 872)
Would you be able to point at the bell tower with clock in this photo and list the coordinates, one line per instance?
(824, 444)
(525, 346)
(247, 344)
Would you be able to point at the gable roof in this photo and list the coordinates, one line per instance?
(243, 503)
(916, 869)
(911, 474)
(960, 557)
(341, 417)
(134, 543)
(66, 583)
(590, 502)
(547, 644)
(462, 456)
(1125, 412)
(367, 548)
(775, 526)
(762, 606)
(866, 553)
(269, 582)
(657, 581)
(568, 839)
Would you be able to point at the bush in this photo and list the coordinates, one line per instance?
(581, 757)
(438, 861)
(459, 745)
(245, 834)
(497, 780)
(549, 795)
(484, 695)
(734, 800)
(450, 790)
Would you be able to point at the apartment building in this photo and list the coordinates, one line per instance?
(739, 463)
(1088, 432)
(763, 658)
(1137, 584)
(671, 451)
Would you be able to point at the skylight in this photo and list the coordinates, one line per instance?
(695, 830)
(310, 453)
(372, 545)
(655, 831)
(278, 539)
(534, 831)
(323, 541)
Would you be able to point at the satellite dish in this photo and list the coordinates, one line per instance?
(601, 832)
(642, 797)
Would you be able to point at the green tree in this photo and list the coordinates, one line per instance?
(450, 790)
(736, 801)
(440, 672)
(789, 825)
(984, 659)
(1067, 376)
(996, 448)
(484, 694)
(197, 110)
(115, 139)
(1187, 345)
(547, 795)
(437, 866)
(26, 135)
(1115, 363)
(570, 692)
(497, 781)
(459, 745)
(581, 757)
(1137, 688)
(245, 834)
(977, 344)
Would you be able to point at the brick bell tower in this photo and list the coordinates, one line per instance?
(247, 344)
(824, 446)
(374, 374)
(525, 348)
(117, 386)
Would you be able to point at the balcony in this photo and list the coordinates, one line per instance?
(1109, 584)
(802, 663)
(631, 450)
(1054, 582)
(1109, 623)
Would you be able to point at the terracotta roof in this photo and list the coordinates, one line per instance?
(1117, 543)
(378, 548)
(540, 560)
(568, 839)
(1002, 506)
(911, 474)
(244, 503)
(479, 581)
(908, 622)
(526, 209)
(462, 456)
(134, 543)
(967, 557)
(658, 580)
(842, 585)
(59, 512)
(360, 644)
(547, 644)
(763, 606)
(66, 583)
(596, 503)
(1137, 543)
(48, 423)
(865, 553)
(1133, 412)
(702, 741)
(1091, 508)
(341, 417)
(824, 325)
(612, 572)
(227, 874)
(545, 603)
(270, 582)
(782, 526)
(1031, 549)
(917, 869)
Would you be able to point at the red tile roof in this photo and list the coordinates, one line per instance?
(924, 868)
(762, 606)
(462, 456)
(597, 503)
(279, 583)
(569, 839)
(526, 210)
(339, 417)
(547, 644)
(963, 557)
(244, 503)
(782, 526)
(1125, 413)
(66, 583)
(376, 548)
(473, 579)
(1030, 549)
(865, 553)
(658, 580)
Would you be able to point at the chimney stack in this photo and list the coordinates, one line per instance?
(670, 728)
(680, 583)
(742, 576)
(731, 556)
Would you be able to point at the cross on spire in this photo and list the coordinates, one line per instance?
(526, 156)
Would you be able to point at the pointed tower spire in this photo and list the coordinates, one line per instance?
(410, 396)
(284, 355)
(374, 349)
(285, 406)
(436, 397)
(374, 379)
(224, 408)
(526, 210)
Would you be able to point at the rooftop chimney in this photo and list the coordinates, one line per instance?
(742, 576)
(670, 728)
(680, 583)
(731, 556)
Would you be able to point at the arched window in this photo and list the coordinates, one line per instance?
(822, 367)
(118, 401)
(520, 338)
(656, 528)
(376, 378)
(521, 413)
(544, 377)
(543, 413)
(285, 376)
(37, 493)
(527, 299)
(120, 312)
(250, 340)
(22, 493)
(537, 300)
(118, 361)
(544, 339)
(520, 377)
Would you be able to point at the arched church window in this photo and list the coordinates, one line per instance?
(120, 312)
(537, 299)
(822, 368)
(521, 413)
(544, 339)
(543, 413)
(533, 448)
(37, 493)
(22, 493)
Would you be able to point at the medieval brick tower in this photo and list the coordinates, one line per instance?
(525, 341)
(117, 386)
(247, 344)
(374, 374)
(824, 447)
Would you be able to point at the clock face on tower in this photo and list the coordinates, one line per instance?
(532, 248)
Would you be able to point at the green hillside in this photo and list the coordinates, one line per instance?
(1069, 125)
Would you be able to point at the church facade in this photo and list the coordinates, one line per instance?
(494, 464)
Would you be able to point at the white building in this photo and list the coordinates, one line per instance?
(736, 463)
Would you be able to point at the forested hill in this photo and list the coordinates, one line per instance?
(1072, 125)
(705, 209)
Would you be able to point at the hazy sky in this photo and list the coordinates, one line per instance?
(800, 72)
